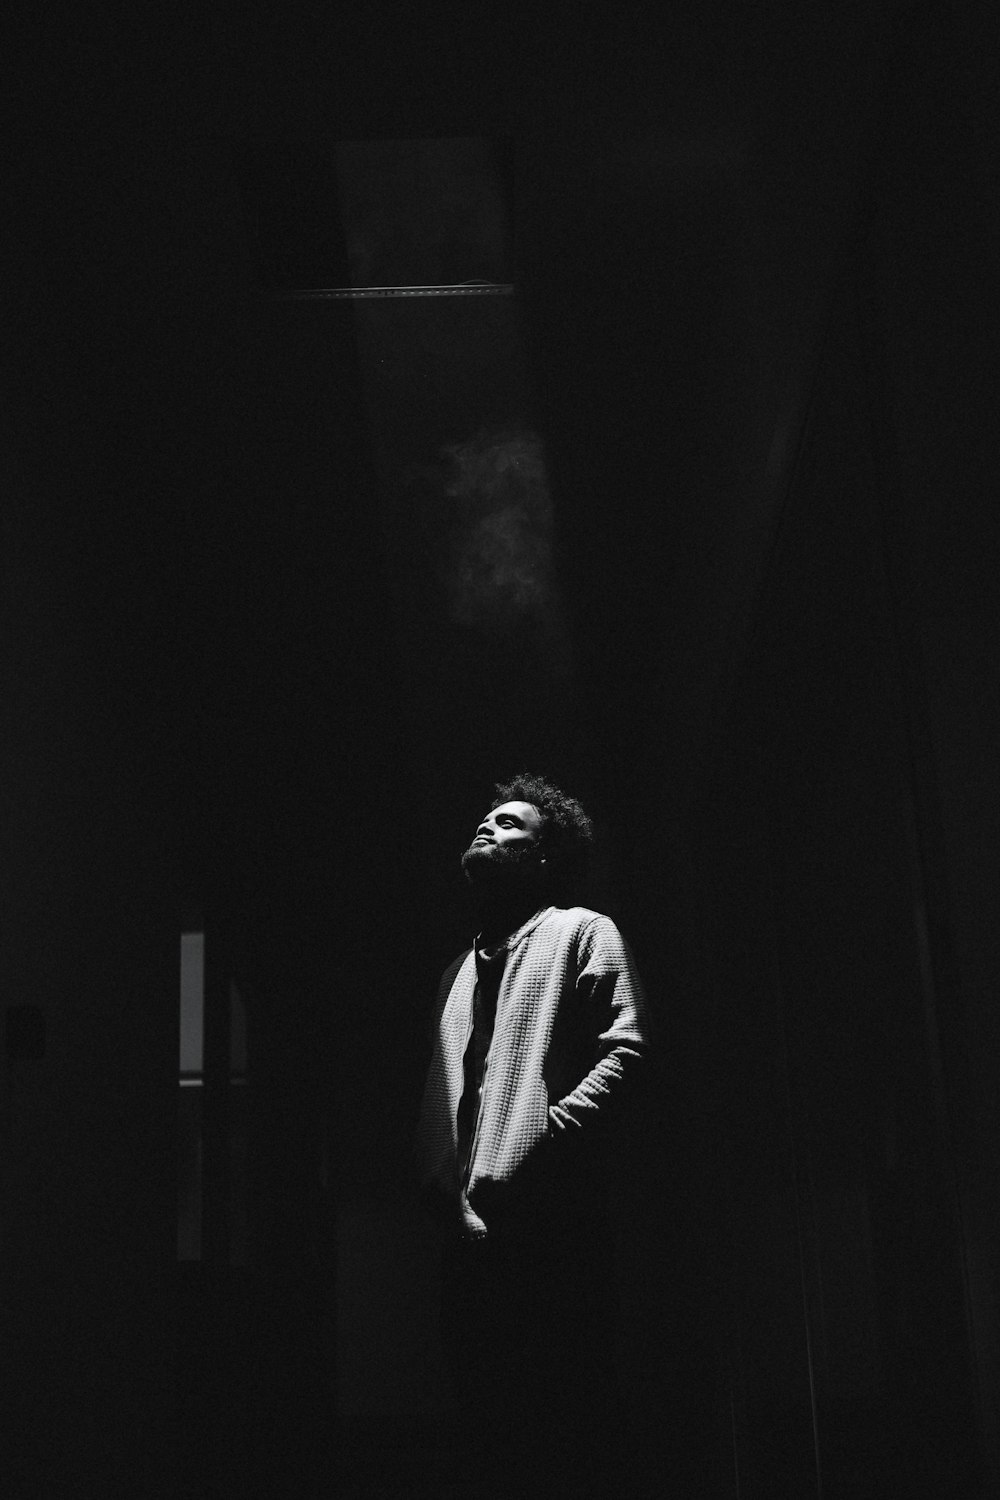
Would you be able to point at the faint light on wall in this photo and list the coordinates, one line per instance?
(193, 1101)
(192, 1059)
(190, 1173)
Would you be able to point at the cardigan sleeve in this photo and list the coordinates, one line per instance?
(611, 996)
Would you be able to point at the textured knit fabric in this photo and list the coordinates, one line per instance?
(571, 1028)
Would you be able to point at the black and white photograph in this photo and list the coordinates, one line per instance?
(499, 741)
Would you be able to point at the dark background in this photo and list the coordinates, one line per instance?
(755, 331)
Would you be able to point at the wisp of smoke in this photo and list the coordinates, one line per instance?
(500, 570)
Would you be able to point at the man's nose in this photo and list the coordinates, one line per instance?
(486, 828)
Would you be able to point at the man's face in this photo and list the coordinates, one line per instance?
(506, 837)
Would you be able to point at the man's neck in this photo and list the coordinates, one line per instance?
(498, 921)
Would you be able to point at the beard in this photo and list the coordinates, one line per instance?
(500, 866)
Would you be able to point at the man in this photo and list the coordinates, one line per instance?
(538, 1033)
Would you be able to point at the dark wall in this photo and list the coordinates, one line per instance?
(87, 949)
(186, 544)
(846, 1287)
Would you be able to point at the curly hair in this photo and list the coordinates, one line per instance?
(567, 832)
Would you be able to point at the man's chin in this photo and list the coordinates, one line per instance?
(484, 863)
(479, 860)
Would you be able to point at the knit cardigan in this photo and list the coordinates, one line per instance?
(571, 1030)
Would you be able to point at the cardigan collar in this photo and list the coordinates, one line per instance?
(514, 938)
